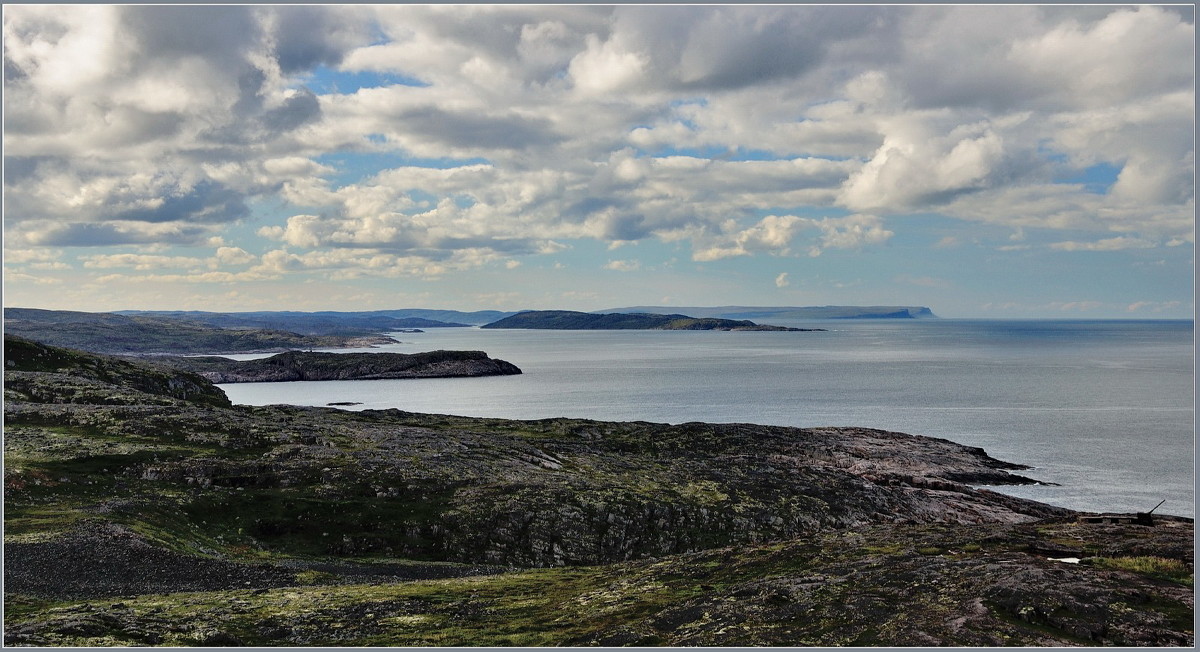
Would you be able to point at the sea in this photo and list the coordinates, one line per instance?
(1103, 411)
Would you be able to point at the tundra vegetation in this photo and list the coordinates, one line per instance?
(142, 508)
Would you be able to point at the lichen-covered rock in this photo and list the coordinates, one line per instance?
(45, 374)
(540, 493)
(123, 479)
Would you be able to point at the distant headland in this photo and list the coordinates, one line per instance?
(572, 320)
(791, 312)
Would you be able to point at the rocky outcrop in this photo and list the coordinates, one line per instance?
(721, 534)
(300, 365)
(39, 373)
(892, 586)
(539, 493)
(107, 559)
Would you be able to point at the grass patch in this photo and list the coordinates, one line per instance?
(1156, 567)
(315, 578)
(890, 549)
(37, 523)
(22, 607)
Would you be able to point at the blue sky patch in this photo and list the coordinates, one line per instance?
(324, 80)
(1097, 179)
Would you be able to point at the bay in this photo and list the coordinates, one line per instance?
(1103, 409)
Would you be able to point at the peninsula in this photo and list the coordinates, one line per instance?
(572, 320)
(143, 335)
(302, 365)
(305, 323)
(143, 508)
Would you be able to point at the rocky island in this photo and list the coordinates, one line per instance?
(307, 365)
(572, 320)
(142, 508)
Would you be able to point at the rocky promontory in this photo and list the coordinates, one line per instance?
(307, 365)
(145, 512)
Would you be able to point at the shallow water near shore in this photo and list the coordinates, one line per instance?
(1105, 409)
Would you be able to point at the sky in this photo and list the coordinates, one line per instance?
(984, 161)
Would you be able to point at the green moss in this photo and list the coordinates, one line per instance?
(889, 549)
(33, 523)
(703, 492)
(313, 578)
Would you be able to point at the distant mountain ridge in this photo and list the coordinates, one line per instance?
(328, 322)
(788, 312)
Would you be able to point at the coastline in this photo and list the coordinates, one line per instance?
(202, 522)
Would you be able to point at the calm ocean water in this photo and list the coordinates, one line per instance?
(1105, 409)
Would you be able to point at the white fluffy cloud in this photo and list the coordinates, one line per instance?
(1107, 244)
(775, 235)
(434, 138)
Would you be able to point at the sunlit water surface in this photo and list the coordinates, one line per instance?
(1105, 409)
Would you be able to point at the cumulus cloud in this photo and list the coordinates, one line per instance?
(782, 281)
(140, 262)
(31, 255)
(605, 66)
(1107, 244)
(916, 167)
(473, 135)
(623, 265)
(853, 232)
(22, 277)
(775, 235)
(87, 234)
(138, 113)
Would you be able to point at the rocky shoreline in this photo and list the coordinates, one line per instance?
(141, 507)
